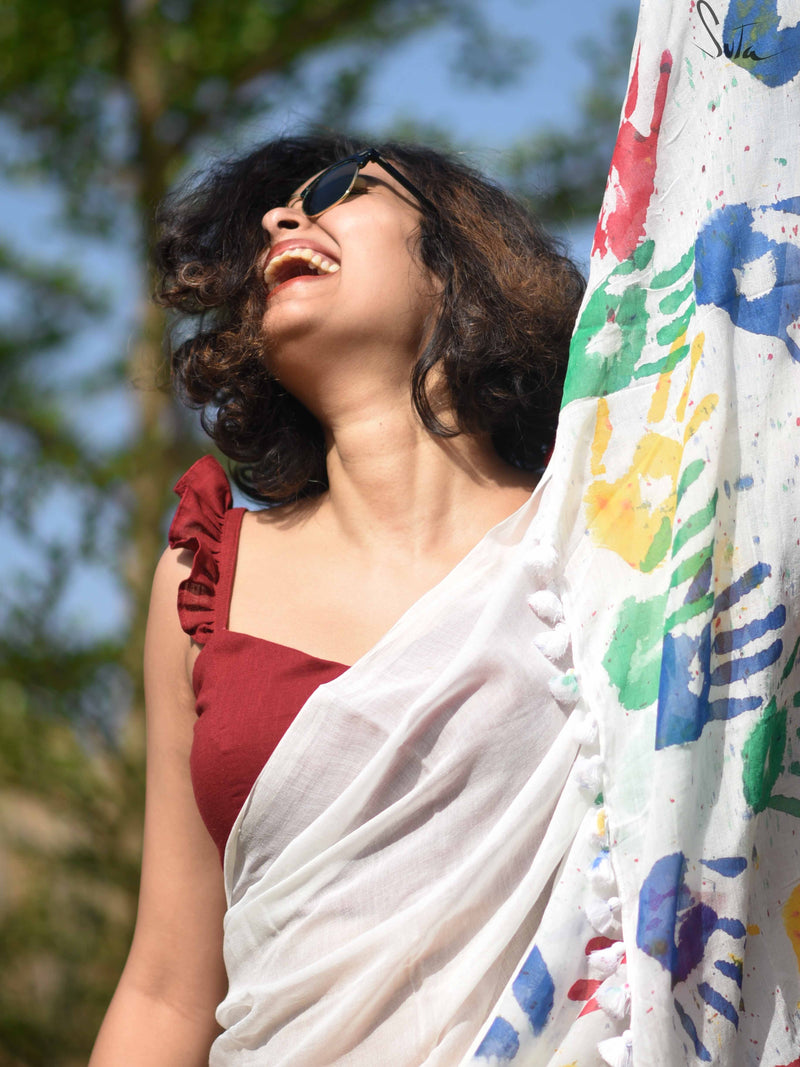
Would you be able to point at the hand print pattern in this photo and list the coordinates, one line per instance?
(673, 504)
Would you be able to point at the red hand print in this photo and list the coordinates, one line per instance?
(632, 174)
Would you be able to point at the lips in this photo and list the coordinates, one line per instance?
(291, 260)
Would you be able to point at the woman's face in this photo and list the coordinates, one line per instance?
(369, 296)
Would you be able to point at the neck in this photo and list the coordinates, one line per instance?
(393, 482)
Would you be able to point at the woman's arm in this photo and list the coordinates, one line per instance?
(163, 1010)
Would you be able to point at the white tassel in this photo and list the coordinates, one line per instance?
(601, 875)
(546, 606)
(614, 999)
(553, 643)
(605, 961)
(543, 562)
(586, 729)
(589, 773)
(600, 831)
(602, 914)
(565, 688)
(617, 1051)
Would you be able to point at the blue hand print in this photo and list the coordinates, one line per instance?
(674, 928)
(754, 41)
(731, 248)
(684, 708)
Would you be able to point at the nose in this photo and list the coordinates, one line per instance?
(283, 218)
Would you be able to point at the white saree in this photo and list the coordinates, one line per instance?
(466, 849)
(380, 879)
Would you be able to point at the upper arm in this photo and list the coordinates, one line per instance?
(177, 949)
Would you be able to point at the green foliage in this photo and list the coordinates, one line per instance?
(50, 304)
(117, 96)
(69, 843)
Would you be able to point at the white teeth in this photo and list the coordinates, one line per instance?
(307, 255)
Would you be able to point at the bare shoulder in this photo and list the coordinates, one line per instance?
(166, 644)
(282, 531)
(163, 1011)
(173, 567)
(288, 561)
(287, 518)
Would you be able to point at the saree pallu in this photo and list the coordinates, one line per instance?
(553, 818)
(380, 882)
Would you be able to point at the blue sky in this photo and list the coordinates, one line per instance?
(415, 82)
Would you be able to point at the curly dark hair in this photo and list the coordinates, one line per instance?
(500, 342)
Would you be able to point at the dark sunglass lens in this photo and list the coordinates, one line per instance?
(329, 187)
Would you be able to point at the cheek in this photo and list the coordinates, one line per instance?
(413, 283)
(403, 298)
(426, 295)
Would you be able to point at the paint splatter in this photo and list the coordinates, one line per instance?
(729, 866)
(672, 489)
(583, 991)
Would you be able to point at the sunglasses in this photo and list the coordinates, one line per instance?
(336, 183)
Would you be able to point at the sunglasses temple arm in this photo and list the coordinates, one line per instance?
(407, 185)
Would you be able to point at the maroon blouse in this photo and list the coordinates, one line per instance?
(248, 690)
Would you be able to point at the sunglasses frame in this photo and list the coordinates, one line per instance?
(368, 155)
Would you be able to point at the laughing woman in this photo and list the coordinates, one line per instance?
(380, 344)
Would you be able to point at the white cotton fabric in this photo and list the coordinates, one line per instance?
(675, 506)
(392, 862)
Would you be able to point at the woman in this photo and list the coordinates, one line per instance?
(381, 348)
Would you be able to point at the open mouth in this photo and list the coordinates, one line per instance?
(297, 263)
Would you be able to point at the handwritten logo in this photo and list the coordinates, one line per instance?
(733, 49)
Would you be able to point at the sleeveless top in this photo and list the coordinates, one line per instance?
(247, 689)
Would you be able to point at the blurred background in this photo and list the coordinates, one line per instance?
(104, 105)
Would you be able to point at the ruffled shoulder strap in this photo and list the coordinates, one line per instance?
(199, 525)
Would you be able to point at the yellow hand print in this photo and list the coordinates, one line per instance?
(633, 514)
